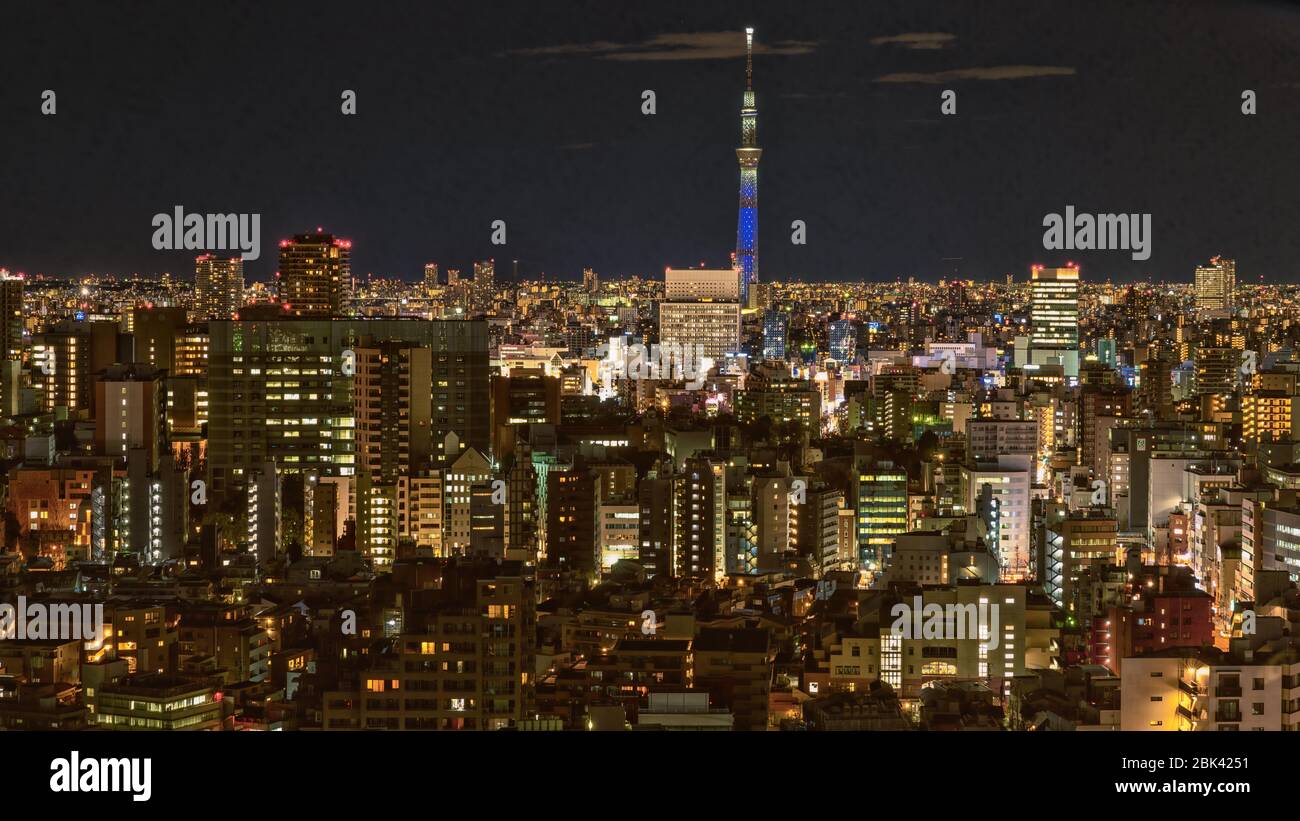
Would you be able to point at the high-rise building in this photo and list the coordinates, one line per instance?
(466, 471)
(61, 366)
(775, 332)
(1216, 284)
(525, 396)
(430, 275)
(657, 525)
(187, 384)
(218, 286)
(393, 391)
(880, 498)
(571, 502)
(701, 528)
(129, 413)
(1054, 318)
(843, 340)
(459, 661)
(748, 155)
(315, 274)
(283, 390)
(11, 315)
(11, 341)
(701, 307)
(1005, 508)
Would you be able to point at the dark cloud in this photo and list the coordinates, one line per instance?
(984, 73)
(704, 45)
(918, 40)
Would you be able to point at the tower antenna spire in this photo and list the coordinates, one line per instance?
(749, 59)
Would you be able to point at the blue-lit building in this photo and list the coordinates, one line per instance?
(775, 329)
(843, 338)
(1107, 352)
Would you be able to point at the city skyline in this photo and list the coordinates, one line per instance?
(539, 124)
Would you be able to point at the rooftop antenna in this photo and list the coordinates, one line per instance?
(749, 59)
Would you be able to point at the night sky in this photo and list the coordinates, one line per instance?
(531, 113)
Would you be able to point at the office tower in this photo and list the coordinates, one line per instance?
(815, 526)
(880, 499)
(1216, 284)
(130, 403)
(774, 393)
(991, 438)
(618, 523)
(158, 505)
(283, 390)
(748, 155)
(263, 511)
(430, 275)
(483, 287)
(775, 332)
(158, 702)
(590, 282)
(187, 384)
(61, 368)
(315, 274)
(1074, 541)
(218, 286)
(1157, 385)
(11, 341)
(466, 471)
(701, 308)
(701, 285)
(735, 663)
(1006, 507)
(772, 511)
(701, 508)
(1269, 416)
(522, 505)
(425, 509)
(453, 276)
(393, 390)
(525, 396)
(155, 329)
(1216, 370)
(459, 660)
(657, 524)
(571, 499)
(1101, 408)
(54, 509)
(1054, 318)
(487, 522)
(11, 315)
(843, 340)
(130, 426)
(742, 529)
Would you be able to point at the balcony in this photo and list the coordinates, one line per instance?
(1228, 691)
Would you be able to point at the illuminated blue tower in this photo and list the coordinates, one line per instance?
(748, 154)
